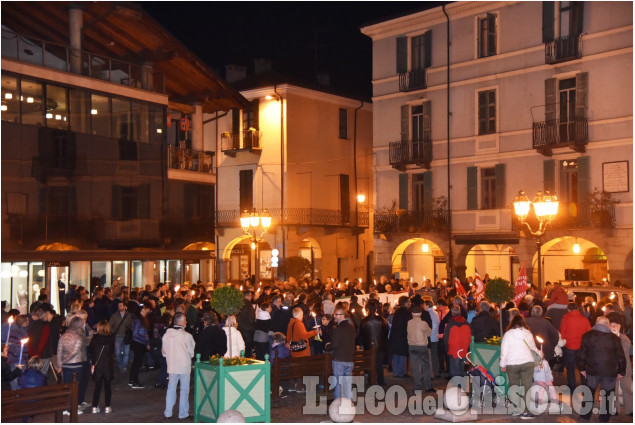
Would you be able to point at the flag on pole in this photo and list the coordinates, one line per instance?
(521, 285)
(480, 287)
(459, 287)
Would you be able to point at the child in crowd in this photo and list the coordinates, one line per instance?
(32, 377)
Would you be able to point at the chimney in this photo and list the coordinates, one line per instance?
(235, 73)
(262, 65)
(324, 79)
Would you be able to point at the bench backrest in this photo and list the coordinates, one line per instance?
(41, 400)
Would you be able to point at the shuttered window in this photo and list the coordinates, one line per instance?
(402, 54)
(499, 172)
(488, 188)
(472, 188)
(548, 21)
(130, 202)
(487, 36)
(403, 191)
(549, 175)
(246, 181)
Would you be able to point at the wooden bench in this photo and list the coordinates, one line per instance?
(320, 365)
(40, 401)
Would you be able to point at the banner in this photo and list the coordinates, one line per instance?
(459, 287)
(480, 287)
(521, 285)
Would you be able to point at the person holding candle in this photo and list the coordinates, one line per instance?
(8, 374)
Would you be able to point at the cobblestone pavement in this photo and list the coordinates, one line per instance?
(147, 405)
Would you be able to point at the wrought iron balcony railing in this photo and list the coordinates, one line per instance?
(413, 80)
(181, 158)
(56, 56)
(555, 133)
(411, 152)
(563, 49)
(411, 221)
(301, 216)
(245, 140)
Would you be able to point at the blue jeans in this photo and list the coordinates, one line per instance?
(570, 357)
(398, 365)
(122, 352)
(83, 372)
(343, 374)
(170, 396)
(162, 375)
(456, 367)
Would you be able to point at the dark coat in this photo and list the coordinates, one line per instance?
(280, 320)
(539, 326)
(32, 378)
(483, 327)
(246, 318)
(211, 341)
(374, 329)
(343, 342)
(104, 368)
(8, 375)
(601, 353)
(399, 332)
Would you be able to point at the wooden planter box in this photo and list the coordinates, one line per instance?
(489, 356)
(245, 388)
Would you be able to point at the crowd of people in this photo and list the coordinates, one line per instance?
(426, 332)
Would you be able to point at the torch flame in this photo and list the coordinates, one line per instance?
(176, 288)
(10, 319)
(24, 341)
(540, 340)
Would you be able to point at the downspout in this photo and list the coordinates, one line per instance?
(217, 240)
(284, 237)
(450, 270)
(355, 176)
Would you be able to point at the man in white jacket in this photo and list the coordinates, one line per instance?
(178, 349)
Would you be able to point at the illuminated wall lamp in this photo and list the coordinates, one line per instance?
(425, 248)
(272, 97)
(576, 248)
(361, 198)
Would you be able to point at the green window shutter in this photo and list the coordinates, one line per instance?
(403, 191)
(143, 201)
(472, 188)
(548, 21)
(549, 175)
(499, 173)
(427, 120)
(584, 187)
(427, 48)
(491, 34)
(235, 122)
(116, 201)
(581, 93)
(550, 99)
(402, 54)
(405, 122)
(427, 190)
(578, 16)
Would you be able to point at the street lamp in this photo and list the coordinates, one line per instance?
(255, 226)
(546, 209)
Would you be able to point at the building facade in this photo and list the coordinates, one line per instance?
(301, 153)
(105, 174)
(475, 101)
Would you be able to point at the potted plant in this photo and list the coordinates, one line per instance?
(601, 205)
(238, 383)
(226, 134)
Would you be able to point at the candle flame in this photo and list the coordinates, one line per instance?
(313, 313)
(10, 320)
(24, 341)
(540, 340)
(593, 303)
(193, 292)
(176, 288)
(365, 313)
(353, 311)
(241, 287)
(612, 296)
(604, 308)
(434, 307)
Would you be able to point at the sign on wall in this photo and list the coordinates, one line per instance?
(615, 176)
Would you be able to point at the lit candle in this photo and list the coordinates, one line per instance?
(410, 280)
(176, 288)
(10, 320)
(364, 311)
(241, 287)
(22, 342)
(540, 340)
(314, 319)
(612, 296)
(593, 303)
(375, 281)
(193, 292)
(434, 307)
(360, 280)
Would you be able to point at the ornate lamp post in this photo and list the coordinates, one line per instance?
(255, 226)
(546, 208)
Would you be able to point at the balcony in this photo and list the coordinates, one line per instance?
(411, 221)
(585, 217)
(58, 57)
(555, 133)
(412, 80)
(563, 49)
(418, 152)
(182, 158)
(247, 140)
(301, 217)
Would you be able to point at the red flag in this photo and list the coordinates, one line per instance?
(480, 287)
(521, 285)
(459, 287)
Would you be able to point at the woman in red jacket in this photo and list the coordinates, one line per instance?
(297, 332)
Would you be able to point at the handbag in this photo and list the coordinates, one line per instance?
(127, 339)
(299, 345)
(92, 367)
(536, 356)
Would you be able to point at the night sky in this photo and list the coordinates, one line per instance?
(222, 33)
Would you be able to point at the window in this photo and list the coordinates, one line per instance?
(487, 112)
(343, 123)
(345, 198)
(251, 116)
(80, 110)
(566, 91)
(31, 98)
(570, 18)
(487, 36)
(412, 75)
(488, 188)
(417, 132)
(100, 113)
(56, 107)
(121, 121)
(199, 201)
(246, 178)
(417, 52)
(417, 192)
(568, 194)
(130, 202)
(10, 99)
(58, 201)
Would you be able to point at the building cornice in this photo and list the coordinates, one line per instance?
(289, 89)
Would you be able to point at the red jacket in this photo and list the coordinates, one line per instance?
(296, 332)
(573, 325)
(459, 336)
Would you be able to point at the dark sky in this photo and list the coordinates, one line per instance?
(223, 33)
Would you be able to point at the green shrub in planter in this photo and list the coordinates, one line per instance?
(227, 300)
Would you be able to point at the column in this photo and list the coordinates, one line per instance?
(75, 25)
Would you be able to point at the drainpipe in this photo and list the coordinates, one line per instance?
(450, 266)
(284, 237)
(217, 160)
(355, 174)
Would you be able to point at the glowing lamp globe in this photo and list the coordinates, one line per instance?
(342, 410)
